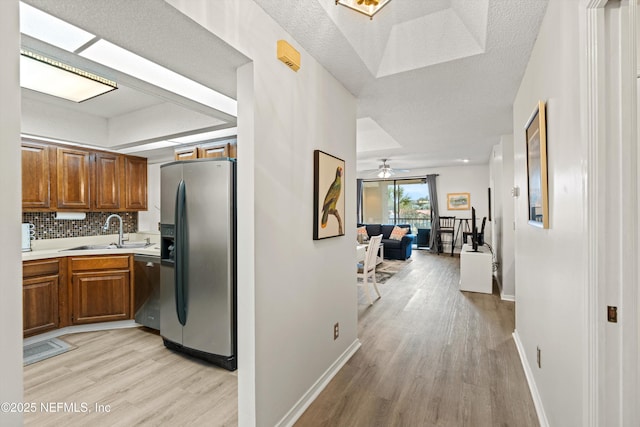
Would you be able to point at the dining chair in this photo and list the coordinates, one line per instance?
(367, 269)
(446, 232)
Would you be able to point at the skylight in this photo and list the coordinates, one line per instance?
(120, 59)
(147, 147)
(206, 136)
(42, 26)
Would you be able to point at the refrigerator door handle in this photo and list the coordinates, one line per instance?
(180, 269)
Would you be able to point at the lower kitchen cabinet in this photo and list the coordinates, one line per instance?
(40, 296)
(66, 291)
(101, 288)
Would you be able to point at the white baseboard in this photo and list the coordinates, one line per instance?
(506, 297)
(537, 401)
(307, 399)
(93, 327)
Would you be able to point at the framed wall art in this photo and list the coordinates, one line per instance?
(537, 194)
(458, 201)
(328, 195)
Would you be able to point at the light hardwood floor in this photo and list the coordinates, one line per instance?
(431, 356)
(143, 383)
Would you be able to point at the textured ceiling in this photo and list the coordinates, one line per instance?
(435, 79)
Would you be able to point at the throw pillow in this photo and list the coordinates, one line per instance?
(363, 231)
(398, 233)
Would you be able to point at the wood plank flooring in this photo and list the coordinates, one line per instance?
(142, 382)
(431, 356)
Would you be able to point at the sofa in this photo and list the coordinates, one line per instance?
(393, 249)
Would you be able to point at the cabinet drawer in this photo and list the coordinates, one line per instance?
(100, 263)
(46, 267)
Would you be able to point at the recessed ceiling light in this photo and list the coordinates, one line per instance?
(42, 26)
(120, 59)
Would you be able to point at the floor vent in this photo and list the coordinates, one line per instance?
(42, 350)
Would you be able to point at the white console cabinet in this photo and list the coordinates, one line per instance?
(475, 270)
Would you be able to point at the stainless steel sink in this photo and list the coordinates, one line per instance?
(128, 245)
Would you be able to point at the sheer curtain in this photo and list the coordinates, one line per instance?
(435, 215)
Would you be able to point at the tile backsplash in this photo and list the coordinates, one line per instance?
(48, 227)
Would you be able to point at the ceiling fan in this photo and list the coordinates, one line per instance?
(385, 171)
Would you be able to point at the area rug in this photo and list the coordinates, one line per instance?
(389, 267)
(42, 350)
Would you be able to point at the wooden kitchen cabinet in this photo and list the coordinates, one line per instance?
(213, 150)
(189, 153)
(208, 151)
(73, 178)
(35, 176)
(59, 177)
(107, 171)
(135, 179)
(101, 288)
(42, 286)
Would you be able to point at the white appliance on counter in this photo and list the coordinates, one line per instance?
(28, 234)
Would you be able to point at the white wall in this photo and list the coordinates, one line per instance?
(300, 287)
(550, 264)
(473, 179)
(495, 182)
(10, 214)
(47, 120)
(148, 220)
(502, 173)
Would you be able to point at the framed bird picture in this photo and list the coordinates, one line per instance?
(328, 195)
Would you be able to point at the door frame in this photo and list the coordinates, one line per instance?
(611, 349)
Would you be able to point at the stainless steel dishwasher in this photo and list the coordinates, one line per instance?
(147, 290)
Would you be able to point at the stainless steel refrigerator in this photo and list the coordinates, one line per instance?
(198, 259)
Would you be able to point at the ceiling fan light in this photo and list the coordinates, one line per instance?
(385, 173)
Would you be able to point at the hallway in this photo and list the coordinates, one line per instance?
(431, 356)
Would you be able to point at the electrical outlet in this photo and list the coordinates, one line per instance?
(538, 356)
(336, 331)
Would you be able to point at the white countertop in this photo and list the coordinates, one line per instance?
(53, 248)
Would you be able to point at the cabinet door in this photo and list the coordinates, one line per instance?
(187, 153)
(107, 180)
(73, 168)
(212, 151)
(233, 150)
(35, 176)
(100, 296)
(135, 170)
(40, 304)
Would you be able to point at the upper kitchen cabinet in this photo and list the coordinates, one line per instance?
(58, 177)
(207, 151)
(135, 179)
(108, 167)
(73, 170)
(188, 153)
(36, 186)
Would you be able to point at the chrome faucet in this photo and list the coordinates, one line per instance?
(120, 235)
